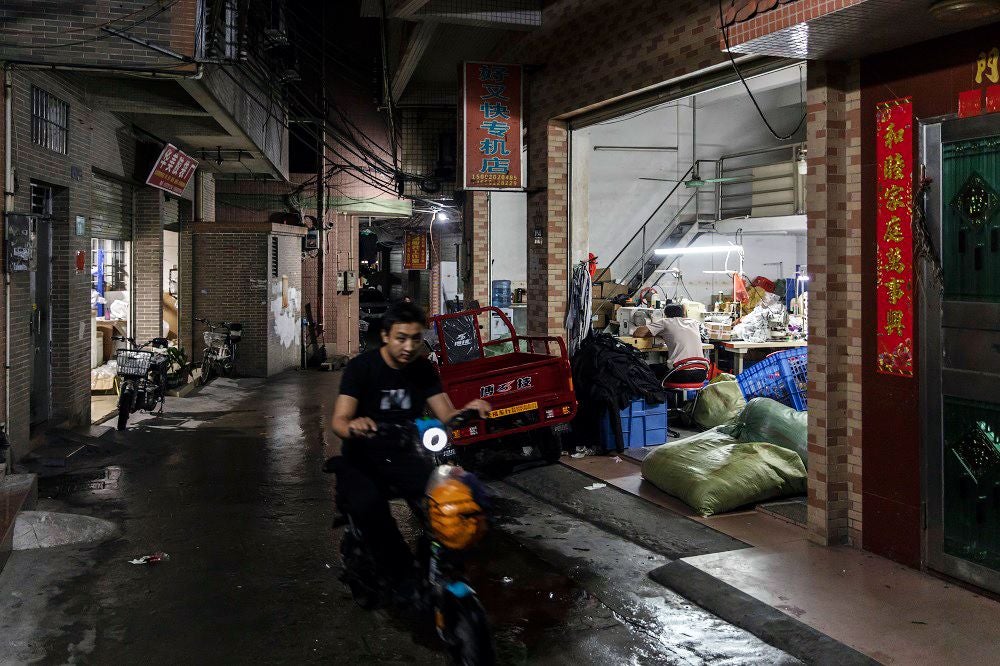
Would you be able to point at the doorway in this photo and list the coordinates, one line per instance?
(961, 351)
(40, 281)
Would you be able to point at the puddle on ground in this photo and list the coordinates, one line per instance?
(97, 481)
(525, 598)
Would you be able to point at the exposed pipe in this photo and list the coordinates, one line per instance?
(8, 198)
(664, 149)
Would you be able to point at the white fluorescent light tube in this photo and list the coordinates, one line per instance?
(719, 272)
(707, 249)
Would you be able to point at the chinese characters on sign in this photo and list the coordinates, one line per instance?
(415, 251)
(172, 170)
(894, 262)
(492, 120)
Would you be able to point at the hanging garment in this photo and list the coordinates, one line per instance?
(578, 316)
(608, 375)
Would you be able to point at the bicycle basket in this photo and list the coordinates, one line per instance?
(215, 339)
(133, 363)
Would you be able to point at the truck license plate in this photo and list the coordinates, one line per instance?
(507, 411)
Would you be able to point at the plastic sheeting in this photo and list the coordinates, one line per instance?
(713, 473)
(755, 326)
(717, 404)
(766, 420)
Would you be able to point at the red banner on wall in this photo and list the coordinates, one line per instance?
(415, 251)
(172, 170)
(493, 120)
(894, 263)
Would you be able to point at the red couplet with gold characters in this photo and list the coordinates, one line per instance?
(894, 264)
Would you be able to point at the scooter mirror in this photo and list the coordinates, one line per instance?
(435, 439)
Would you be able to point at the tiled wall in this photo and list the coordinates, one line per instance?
(835, 318)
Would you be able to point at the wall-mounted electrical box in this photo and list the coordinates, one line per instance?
(347, 282)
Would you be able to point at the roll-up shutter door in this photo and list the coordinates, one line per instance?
(111, 209)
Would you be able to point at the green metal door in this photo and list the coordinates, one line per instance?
(962, 348)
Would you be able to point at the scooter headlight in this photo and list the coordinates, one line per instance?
(435, 439)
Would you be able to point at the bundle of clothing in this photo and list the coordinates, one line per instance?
(608, 375)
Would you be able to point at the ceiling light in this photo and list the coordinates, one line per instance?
(705, 249)
(964, 10)
(443, 217)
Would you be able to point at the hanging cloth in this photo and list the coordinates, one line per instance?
(578, 315)
(740, 294)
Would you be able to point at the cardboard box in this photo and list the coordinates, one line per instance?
(608, 290)
(600, 321)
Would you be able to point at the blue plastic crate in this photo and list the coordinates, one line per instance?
(643, 424)
(781, 376)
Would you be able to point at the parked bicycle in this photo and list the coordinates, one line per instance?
(142, 377)
(452, 519)
(221, 343)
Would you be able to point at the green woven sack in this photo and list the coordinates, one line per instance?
(717, 403)
(766, 420)
(713, 473)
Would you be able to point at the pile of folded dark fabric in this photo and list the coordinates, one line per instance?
(608, 375)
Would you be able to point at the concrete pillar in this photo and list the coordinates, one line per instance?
(147, 261)
(834, 255)
(579, 228)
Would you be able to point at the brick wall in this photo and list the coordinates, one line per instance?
(834, 258)
(151, 212)
(55, 31)
(587, 53)
(96, 140)
(231, 284)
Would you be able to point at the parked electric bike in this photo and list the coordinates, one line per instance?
(221, 343)
(458, 614)
(142, 377)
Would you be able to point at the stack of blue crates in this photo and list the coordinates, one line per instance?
(643, 424)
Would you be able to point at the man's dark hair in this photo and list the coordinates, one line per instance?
(403, 313)
(673, 310)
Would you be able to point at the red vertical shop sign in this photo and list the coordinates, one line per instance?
(493, 120)
(415, 251)
(894, 264)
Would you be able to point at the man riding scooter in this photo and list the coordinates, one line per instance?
(392, 384)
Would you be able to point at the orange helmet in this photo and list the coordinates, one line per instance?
(456, 519)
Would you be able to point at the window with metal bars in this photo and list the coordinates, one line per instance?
(274, 256)
(49, 121)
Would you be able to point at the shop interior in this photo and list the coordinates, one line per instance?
(694, 211)
(110, 301)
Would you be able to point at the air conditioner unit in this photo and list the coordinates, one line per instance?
(276, 30)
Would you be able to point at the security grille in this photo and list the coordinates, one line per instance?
(111, 209)
(49, 121)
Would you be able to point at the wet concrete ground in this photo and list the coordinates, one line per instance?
(228, 483)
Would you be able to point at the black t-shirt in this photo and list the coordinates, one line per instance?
(387, 394)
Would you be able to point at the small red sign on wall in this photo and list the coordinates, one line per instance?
(415, 251)
(970, 103)
(993, 99)
(172, 170)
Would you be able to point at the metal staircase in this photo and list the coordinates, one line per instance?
(637, 263)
